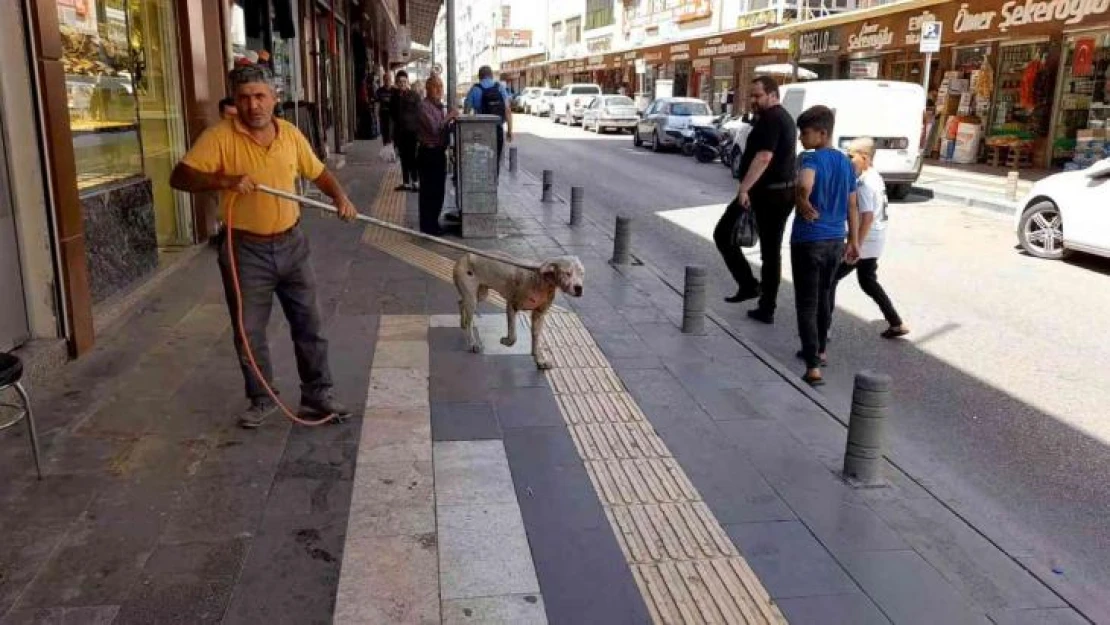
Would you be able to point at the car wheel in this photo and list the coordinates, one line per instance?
(636, 140)
(1041, 231)
(898, 191)
(656, 144)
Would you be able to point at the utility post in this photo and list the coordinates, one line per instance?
(452, 63)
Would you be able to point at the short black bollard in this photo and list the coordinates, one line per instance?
(512, 159)
(863, 458)
(622, 240)
(548, 183)
(693, 300)
(576, 195)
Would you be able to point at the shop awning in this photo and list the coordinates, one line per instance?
(422, 19)
(848, 17)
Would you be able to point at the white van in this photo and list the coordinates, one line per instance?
(890, 112)
(571, 103)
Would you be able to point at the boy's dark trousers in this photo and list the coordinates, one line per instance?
(868, 275)
(814, 266)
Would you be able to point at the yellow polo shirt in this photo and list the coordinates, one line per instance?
(227, 148)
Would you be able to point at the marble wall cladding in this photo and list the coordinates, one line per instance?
(120, 239)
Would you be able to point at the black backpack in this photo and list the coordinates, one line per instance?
(492, 102)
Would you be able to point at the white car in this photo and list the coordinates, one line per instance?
(616, 112)
(1067, 212)
(520, 103)
(541, 104)
(572, 101)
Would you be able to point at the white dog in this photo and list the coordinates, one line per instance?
(523, 289)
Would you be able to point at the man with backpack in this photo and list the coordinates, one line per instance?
(489, 97)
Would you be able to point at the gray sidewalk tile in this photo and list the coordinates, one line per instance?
(218, 508)
(94, 615)
(483, 551)
(24, 548)
(174, 598)
(525, 407)
(471, 473)
(656, 387)
(514, 372)
(907, 589)
(789, 561)
(1041, 616)
(390, 582)
(848, 609)
(554, 493)
(464, 421)
(526, 609)
(727, 404)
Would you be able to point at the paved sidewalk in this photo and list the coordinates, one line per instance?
(978, 186)
(650, 477)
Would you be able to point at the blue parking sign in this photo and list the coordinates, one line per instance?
(930, 37)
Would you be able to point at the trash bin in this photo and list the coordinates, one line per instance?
(477, 168)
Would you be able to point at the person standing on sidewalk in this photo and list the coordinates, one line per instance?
(767, 187)
(404, 109)
(432, 134)
(271, 249)
(489, 97)
(826, 199)
(871, 191)
(384, 97)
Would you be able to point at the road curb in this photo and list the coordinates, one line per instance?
(999, 206)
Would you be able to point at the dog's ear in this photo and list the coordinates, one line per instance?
(549, 272)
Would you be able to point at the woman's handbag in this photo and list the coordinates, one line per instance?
(744, 232)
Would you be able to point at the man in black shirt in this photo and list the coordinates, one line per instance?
(767, 187)
(384, 97)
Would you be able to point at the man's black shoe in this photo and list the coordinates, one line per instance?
(256, 415)
(401, 187)
(764, 316)
(744, 294)
(324, 405)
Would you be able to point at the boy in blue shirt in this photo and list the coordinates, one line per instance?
(826, 213)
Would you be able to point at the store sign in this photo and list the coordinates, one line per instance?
(913, 29)
(968, 22)
(596, 63)
(508, 38)
(930, 37)
(863, 69)
(680, 52)
(641, 66)
(757, 19)
(818, 43)
(717, 47)
(870, 37)
(691, 10)
(652, 56)
(771, 44)
(1070, 12)
(599, 44)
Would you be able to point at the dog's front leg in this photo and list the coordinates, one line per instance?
(539, 354)
(510, 318)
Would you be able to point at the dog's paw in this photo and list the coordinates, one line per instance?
(543, 364)
(508, 342)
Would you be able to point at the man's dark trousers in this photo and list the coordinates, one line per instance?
(772, 210)
(433, 186)
(814, 267)
(281, 266)
(500, 146)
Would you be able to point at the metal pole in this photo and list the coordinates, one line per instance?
(693, 300)
(452, 69)
(576, 196)
(928, 69)
(512, 159)
(863, 457)
(548, 183)
(622, 240)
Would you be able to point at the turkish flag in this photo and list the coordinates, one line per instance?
(1083, 62)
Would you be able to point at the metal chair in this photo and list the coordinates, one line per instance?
(11, 372)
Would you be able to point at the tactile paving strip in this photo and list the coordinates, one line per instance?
(687, 569)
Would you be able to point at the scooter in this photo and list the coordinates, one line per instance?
(707, 143)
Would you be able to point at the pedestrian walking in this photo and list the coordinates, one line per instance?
(871, 193)
(489, 97)
(827, 212)
(384, 98)
(767, 188)
(432, 156)
(271, 249)
(404, 110)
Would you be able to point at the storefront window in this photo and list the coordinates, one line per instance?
(123, 85)
(97, 59)
(1023, 94)
(722, 83)
(1083, 113)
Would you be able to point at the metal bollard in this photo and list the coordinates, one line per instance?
(512, 159)
(622, 240)
(576, 195)
(1012, 185)
(548, 183)
(693, 300)
(863, 457)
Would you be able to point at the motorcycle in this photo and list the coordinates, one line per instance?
(710, 141)
(686, 142)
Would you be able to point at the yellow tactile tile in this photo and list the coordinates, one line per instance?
(574, 380)
(618, 441)
(587, 408)
(643, 480)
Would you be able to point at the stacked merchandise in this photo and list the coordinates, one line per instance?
(957, 105)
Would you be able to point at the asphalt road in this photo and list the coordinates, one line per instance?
(1003, 395)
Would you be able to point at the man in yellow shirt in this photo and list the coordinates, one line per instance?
(271, 249)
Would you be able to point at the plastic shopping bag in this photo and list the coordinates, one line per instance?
(387, 154)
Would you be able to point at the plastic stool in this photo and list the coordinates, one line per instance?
(11, 372)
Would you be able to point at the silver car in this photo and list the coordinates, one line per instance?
(610, 111)
(667, 119)
(541, 104)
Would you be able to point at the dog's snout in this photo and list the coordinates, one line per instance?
(578, 290)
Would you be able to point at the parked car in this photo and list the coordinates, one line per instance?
(572, 101)
(520, 102)
(541, 104)
(893, 118)
(1067, 212)
(663, 122)
(616, 112)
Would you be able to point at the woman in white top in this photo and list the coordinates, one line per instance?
(872, 233)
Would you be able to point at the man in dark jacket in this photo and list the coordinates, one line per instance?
(384, 96)
(405, 111)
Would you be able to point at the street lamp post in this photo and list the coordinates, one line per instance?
(452, 70)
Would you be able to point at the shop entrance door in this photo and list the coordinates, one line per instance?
(14, 330)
